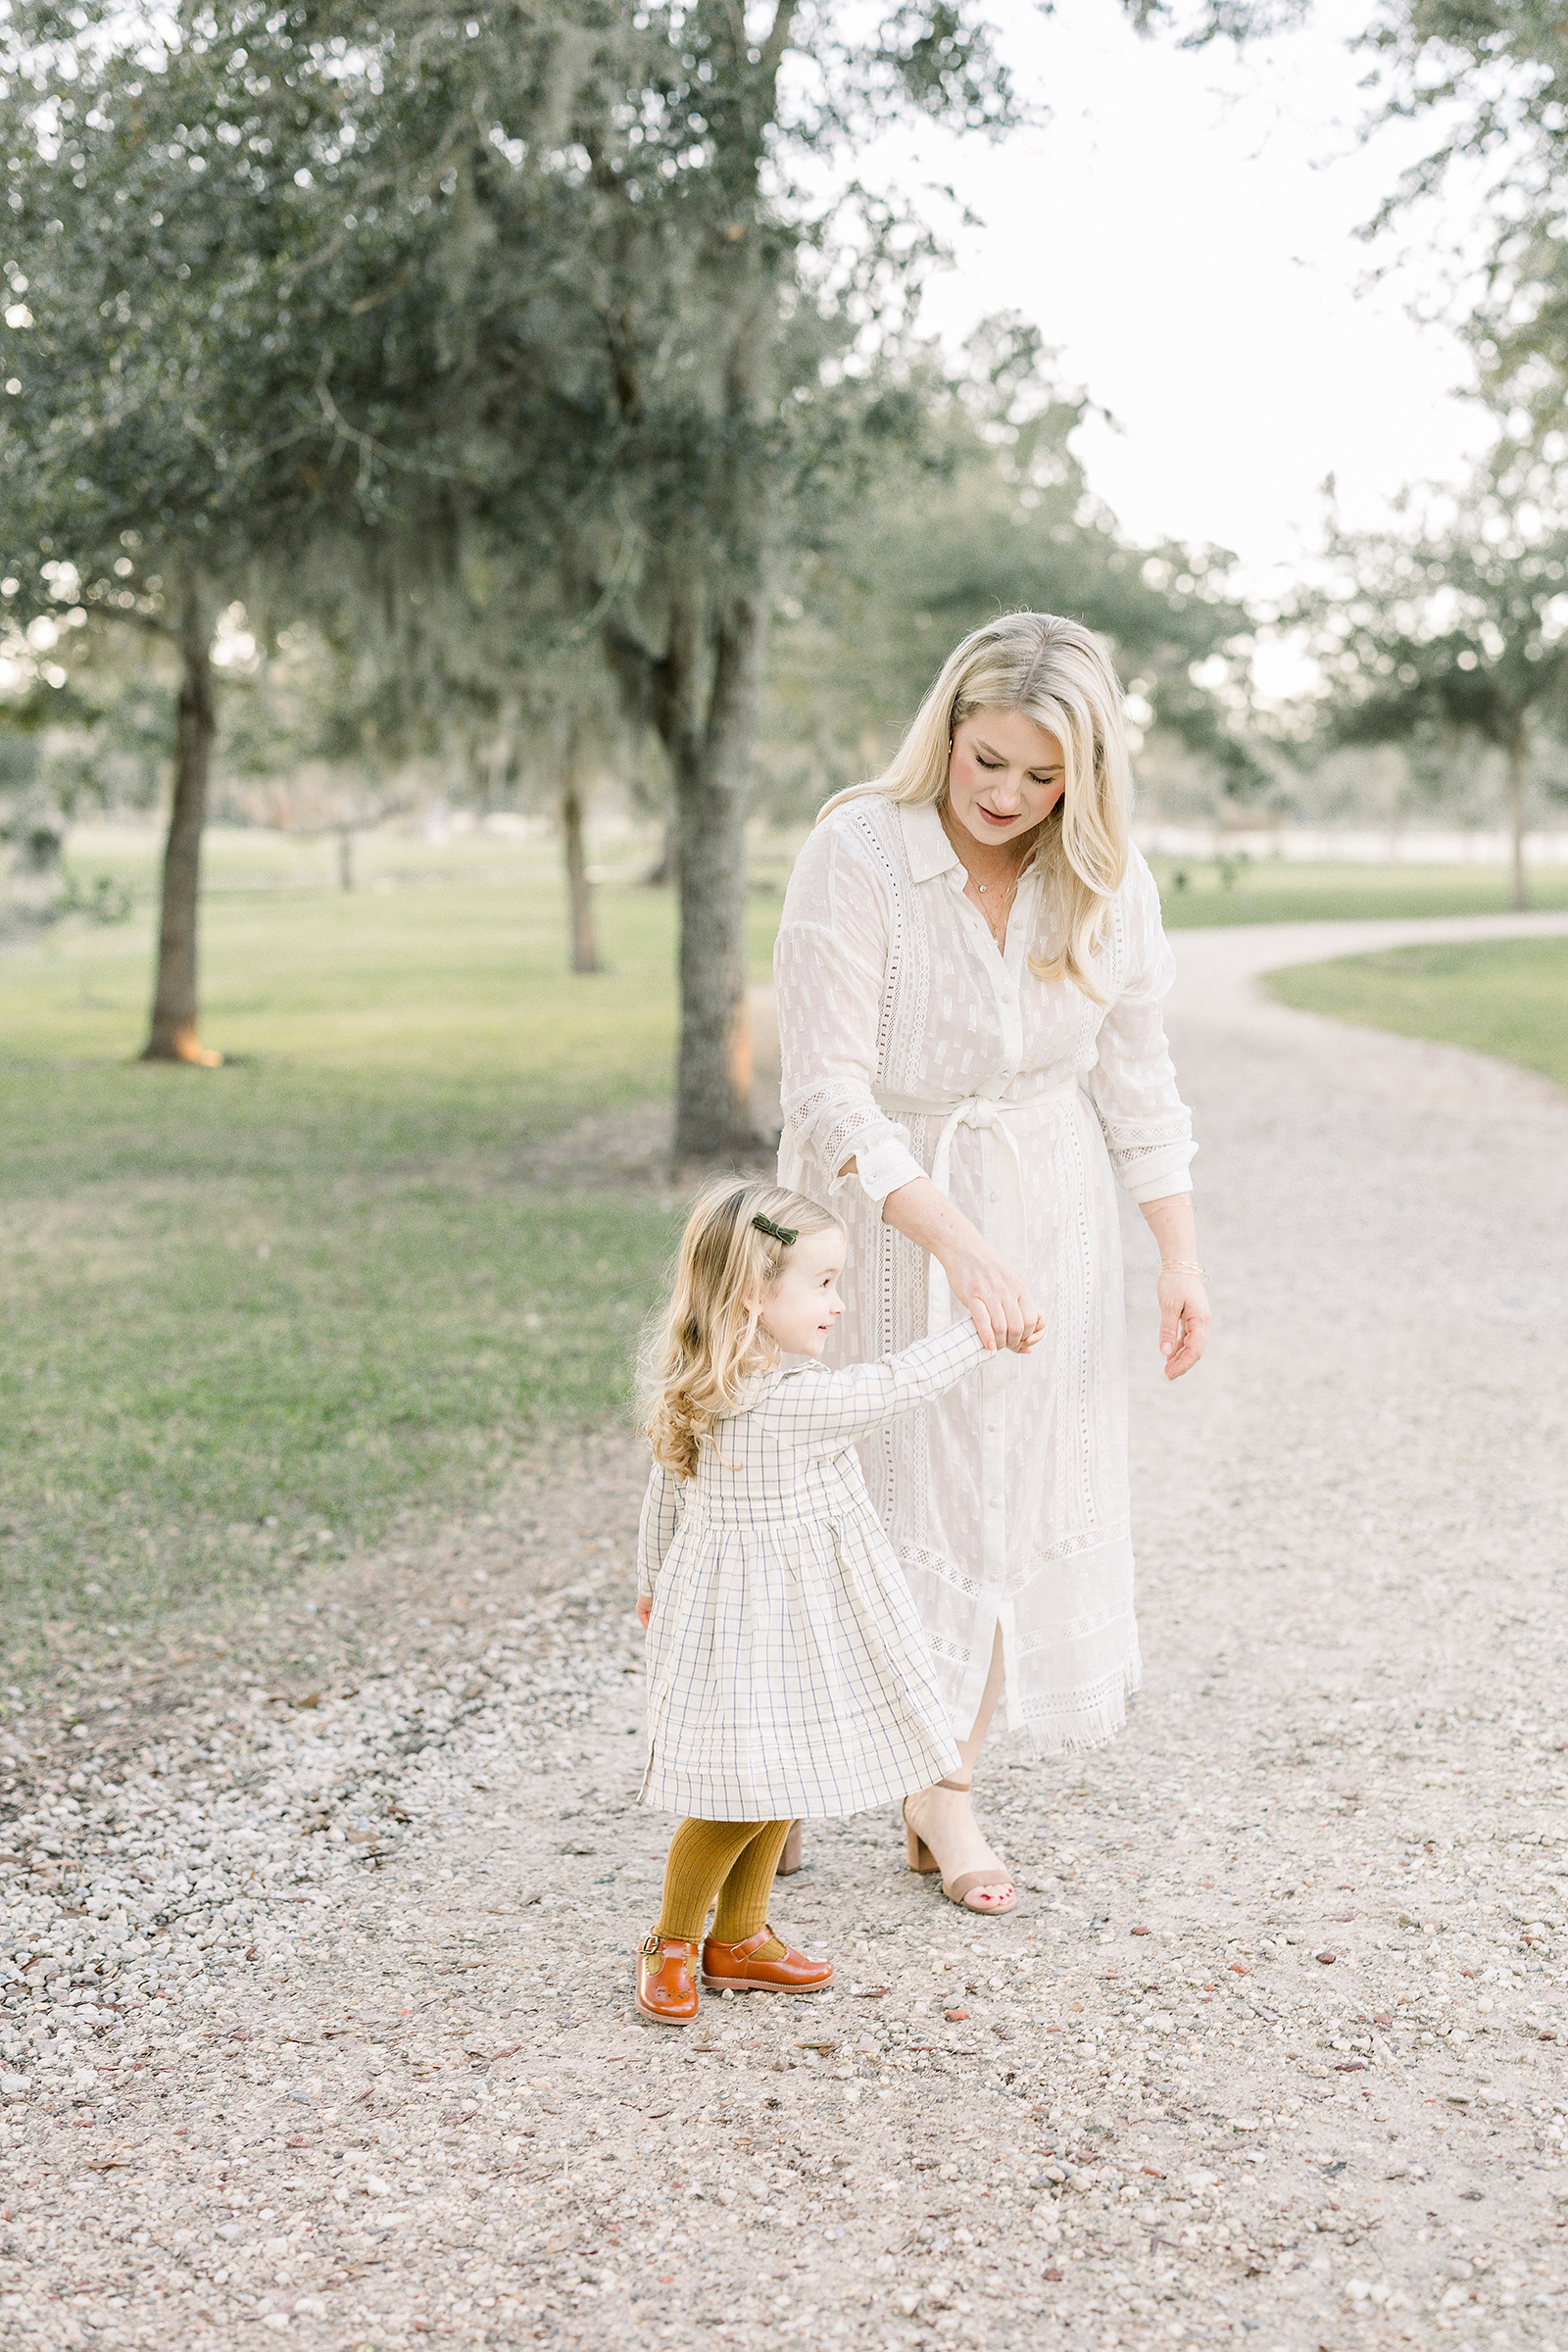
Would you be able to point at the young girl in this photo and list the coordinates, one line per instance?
(787, 1671)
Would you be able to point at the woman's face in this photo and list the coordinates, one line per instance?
(1005, 776)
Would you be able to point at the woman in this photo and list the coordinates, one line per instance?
(969, 974)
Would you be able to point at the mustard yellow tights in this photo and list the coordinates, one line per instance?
(734, 1861)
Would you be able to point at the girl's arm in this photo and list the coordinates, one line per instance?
(656, 1532)
(822, 1412)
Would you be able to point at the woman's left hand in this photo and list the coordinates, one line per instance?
(1183, 1319)
(645, 1609)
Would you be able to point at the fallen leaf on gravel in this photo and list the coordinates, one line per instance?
(870, 1993)
(1327, 1958)
(957, 2017)
(1140, 1930)
(1238, 1968)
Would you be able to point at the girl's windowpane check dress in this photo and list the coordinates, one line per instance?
(787, 1672)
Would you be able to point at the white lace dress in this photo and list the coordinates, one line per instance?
(913, 1045)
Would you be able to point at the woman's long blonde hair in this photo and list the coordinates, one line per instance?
(1058, 674)
(706, 1344)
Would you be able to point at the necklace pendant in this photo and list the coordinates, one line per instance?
(982, 885)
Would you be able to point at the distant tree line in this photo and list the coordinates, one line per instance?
(520, 357)
(519, 352)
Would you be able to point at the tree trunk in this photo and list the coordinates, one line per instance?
(172, 1036)
(663, 876)
(713, 1084)
(345, 857)
(584, 952)
(1517, 819)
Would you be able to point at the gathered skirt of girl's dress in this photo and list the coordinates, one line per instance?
(787, 1671)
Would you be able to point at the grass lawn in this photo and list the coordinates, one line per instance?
(1505, 997)
(255, 1313)
(308, 1290)
(1273, 891)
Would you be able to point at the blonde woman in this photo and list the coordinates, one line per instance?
(969, 975)
(787, 1672)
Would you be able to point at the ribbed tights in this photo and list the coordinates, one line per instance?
(734, 1861)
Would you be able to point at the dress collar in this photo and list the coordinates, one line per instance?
(925, 841)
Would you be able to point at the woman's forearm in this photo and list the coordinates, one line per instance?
(928, 1217)
(1174, 1227)
(996, 1296)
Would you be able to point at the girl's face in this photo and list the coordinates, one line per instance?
(801, 1308)
(1005, 776)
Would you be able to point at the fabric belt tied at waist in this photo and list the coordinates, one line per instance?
(973, 1110)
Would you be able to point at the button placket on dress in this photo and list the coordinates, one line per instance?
(996, 1376)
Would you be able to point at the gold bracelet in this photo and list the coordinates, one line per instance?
(1180, 1265)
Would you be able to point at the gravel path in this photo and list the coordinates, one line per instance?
(315, 2011)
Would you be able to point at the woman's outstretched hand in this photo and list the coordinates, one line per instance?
(1005, 1314)
(1183, 1319)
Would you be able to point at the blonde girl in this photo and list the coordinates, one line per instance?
(787, 1672)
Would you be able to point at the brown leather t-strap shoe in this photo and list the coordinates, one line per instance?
(666, 1979)
(735, 1968)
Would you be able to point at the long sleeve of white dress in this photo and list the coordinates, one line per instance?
(831, 975)
(1148, 1131)
(656, 1528)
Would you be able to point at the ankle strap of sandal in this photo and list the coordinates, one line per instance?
(962, 1786)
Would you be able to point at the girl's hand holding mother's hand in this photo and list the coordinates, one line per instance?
(1183, 1318)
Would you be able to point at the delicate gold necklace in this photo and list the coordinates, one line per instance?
(995, 916)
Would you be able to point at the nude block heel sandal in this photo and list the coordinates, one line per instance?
(922, 1859)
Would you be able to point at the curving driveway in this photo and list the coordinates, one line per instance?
(1271, 2050)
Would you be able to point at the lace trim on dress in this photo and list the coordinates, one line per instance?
(1087, 1717)
(1124, 1135)
(946, 1571)
(832, 1139)
(1070, 1547)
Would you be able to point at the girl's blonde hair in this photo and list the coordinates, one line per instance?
(1058, 674)
(706, 1343)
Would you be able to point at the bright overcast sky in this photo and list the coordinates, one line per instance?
(1183, 229)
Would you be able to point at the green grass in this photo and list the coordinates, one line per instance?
(1273, 891)
(1503, 996)
(310, 1291)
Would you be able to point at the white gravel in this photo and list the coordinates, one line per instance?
(318, 1942)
